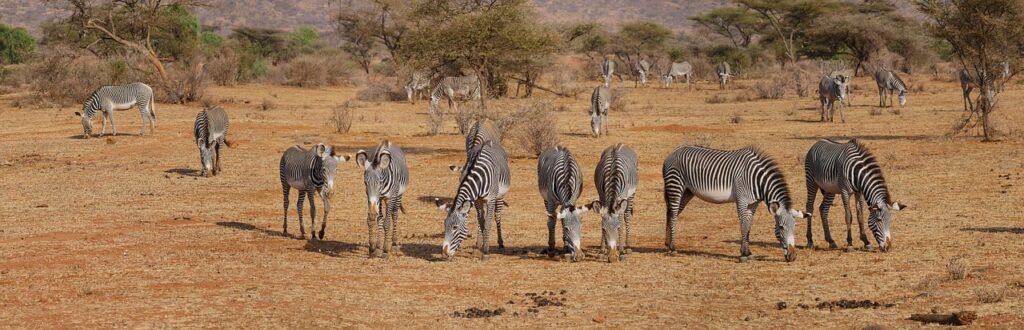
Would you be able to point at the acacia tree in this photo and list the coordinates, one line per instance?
(983, 35)
(737, 24)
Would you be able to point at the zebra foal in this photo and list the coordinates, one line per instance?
(210, 132)
(386, 177)
(309, 171)
(106, 99)
(745, 176)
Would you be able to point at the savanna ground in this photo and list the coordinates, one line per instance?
(121, 232)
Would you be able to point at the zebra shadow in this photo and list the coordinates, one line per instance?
(429, 199)
(754, 243)
(691, 253)
(97, 136)
(869, 137)
(330, 248)
(997, 230)
(183, 171)
(249, 227)
(428, 252)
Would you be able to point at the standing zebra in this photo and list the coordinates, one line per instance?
(455, 89)
(600, 102)
(968, 82)
(745, 176)
(615, 178)
(849, 169)
(831, 92)
(482, 131)
(486, 181)
(417, 86)
(607, 70)
(560, 183)
(642, 68)
(210, 131)
(888, 81)
(106, 99)
(386, 177)
(309, 171)
(724, 71)
(683, 69)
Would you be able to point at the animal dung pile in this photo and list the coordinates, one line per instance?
(839, 304)
(475, 313)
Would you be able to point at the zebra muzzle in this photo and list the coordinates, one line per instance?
(790, 253)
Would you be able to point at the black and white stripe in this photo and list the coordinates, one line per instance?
(210, 132)
(683, 69)
(455, 89)
(724, 71)
(607, 70)
(849, 169)
(560, 183)
(616, 179)
(888, 81)
(642, 67)
(417, 86)
(486, 181)
(109, 98)
(600, 102)
(309, 171)
(386, 177)
(831, 93)
(745, 176)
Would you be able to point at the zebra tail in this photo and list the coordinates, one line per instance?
(228, 143)
(152, 109)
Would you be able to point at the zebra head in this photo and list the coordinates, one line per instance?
(455, 226)
(408, 90)
(596, 120)
(666, 80)
(879, 220)
(329, 167)
(611, 220)
(205, 156)
(842, 82)
(785, 224)
(86, 124)
(373, 175)
(903, 97)
(572, 226)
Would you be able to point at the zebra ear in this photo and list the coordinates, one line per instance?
(773, 207)
(896, 206)
(343, 158)
(360, 158)
(441, 204)
(595, 206)
(797, 214)
(455, 168)
(384, 161)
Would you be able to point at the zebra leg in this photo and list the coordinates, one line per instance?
(812, 194)
(113, 128)
(371, 232)
(312, 215)
(842, 115)
(216, 158)
(826, 203)
(393, 206)
(675, 202)
(485, 230)
(746, 214)
(103, 129)
(384, 221)
(326, 201)
(298, 205)
(860, 221)
(628, 217)
(285, 188)
(550, 207)
(499, 204)
(142, 112)
(849, 219)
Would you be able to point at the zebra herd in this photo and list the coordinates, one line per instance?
(746, 177)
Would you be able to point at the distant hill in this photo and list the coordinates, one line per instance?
(223, 15)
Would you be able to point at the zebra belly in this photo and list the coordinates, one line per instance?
(123, 106)
(300, 185)
(828, 187)
(716, 196)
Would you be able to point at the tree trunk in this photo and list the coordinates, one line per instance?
(988, 104)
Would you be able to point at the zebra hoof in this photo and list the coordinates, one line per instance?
(384, 255)
(833, 246)
(849, 248)
(484, 257)
(627, 251)
(672, 253)
(745, 259)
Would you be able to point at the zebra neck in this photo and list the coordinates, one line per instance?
(769, 185)
(316, 172)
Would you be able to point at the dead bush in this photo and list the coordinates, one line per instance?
(435, 122)
(315, 70)
(266, 105)
(875, 111)
(990, 295)
(716, 99)
(67, 76)
(564, 79)
(957, 268)
(918, 87)
(618, 103)
(341, 118)
(222, 68)
(744, 96)
(466, 116)
(736, 118)
(381, 92)
(186, 82)
(537, 130)
(702, 69)
(773, 90)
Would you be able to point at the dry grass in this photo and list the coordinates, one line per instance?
(341, 118)
(773, 90)
(380, 92)
(990, 295)
(716, 99)
(124, 220)
(266, 105)
(958, 268)
(536, 129)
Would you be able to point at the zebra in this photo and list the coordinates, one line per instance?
(210, 131)
(482, 131)
(560, 182)
(888, 81)
(106, 99)
(745, 176)
(683, 69)
(607, 70)
(600, 102)
(309, 171)
(724, 71)
(463, 88)
(642, 67)
(849, 169)
(484, 186)
(417, 85)
(968, 83)
(386, 177)
(831, 92)
(615, 178)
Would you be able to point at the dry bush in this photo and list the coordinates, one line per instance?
(537, 130)
(466, 116)
(716, 99)
(186, 82)
(702, 69)
(736, 118)
(435, 122)
(918, 87)
(990, 295)
(316, 70)
(875, 111)
(618, 103)
(744, 96)
(341, 118)
(957, 268)
(67, 76)
(222, 68)
(266, 105)
(381, 92)
(773, 90)
(565, 79)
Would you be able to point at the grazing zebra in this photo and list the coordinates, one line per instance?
(210, 131)
(615, 178)
(683, 69)
(106, 99)
(560, 183)
(849, 169)
(417, 86)
(386, 177)
(481, 131)
(309, 171)
(745, 176)
(642, 68)
(600, 102)
(724, 71)
(455, 89)
(831, 92)
(888, 81)
(486, 181)
(607, 70)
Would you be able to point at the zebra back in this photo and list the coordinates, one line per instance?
(616, 175)
(600, 101)
(481, 131)
(559, 177)
(395, 176)
(486, 174)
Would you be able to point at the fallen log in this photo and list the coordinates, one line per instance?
(542, 87)
(959, 318)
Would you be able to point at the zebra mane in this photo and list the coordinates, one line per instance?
(871, 164)
(772, 166)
